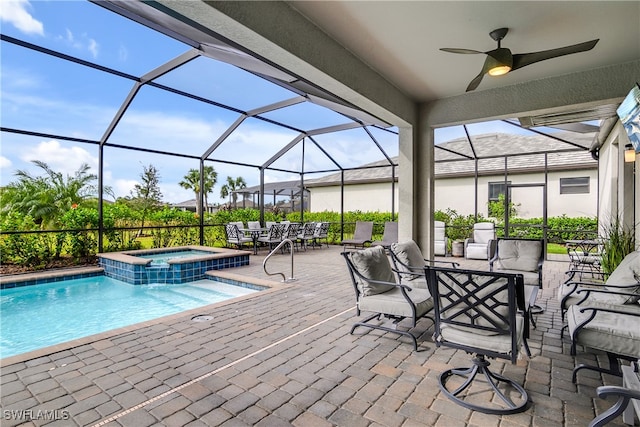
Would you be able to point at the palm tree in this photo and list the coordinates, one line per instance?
(46, 198)
(231, 187)
(192, 182)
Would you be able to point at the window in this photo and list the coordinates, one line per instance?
(574, 185)
(496, 189)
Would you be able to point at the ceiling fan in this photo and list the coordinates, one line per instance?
(501, 61)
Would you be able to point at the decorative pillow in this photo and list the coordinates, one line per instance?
(373, 264)
(409, 254)
(627, 273)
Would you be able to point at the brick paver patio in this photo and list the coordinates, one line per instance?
(285, 357)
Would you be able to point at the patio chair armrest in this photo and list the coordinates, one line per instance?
(603, 291)
(571, 273)
(431, 263)
(614, 390)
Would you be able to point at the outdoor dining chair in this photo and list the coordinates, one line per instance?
(479, 312)
(305, 235)
(235, 236)
(273, 236)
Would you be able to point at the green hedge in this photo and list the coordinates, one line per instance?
(37, 249)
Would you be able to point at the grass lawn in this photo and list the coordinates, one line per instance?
(556, 248)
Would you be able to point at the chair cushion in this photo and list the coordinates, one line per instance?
(521, 255)
(530, 277)
(373, 264)
(613, 332)
(483, 232)
(477, 251)
(477, 338)
(409, 254)
(394, 303)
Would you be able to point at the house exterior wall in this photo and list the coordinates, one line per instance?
(459, 194)
(374, 197)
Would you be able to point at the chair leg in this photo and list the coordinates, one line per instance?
(481, 366)
(365, 324)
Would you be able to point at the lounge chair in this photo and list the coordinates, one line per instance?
(479, 312)
(389, 236)
(478, 246)
(521, 256)
(378, 292)
(362, 234)
(409, 263)
(622, 281)
(440, 240)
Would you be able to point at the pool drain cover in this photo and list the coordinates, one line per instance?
(202, 318)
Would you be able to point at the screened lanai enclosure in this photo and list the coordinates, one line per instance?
(158, 92)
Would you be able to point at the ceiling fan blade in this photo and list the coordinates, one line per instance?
(476, 81)
(523, 59)
(456, 50)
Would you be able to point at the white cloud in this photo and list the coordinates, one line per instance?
(15, 12)
(84, 42)
(93, 47)
(5, 163)
(64, 159)
(122, 187)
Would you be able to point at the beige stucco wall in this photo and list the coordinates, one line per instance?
(459, 194)
(363, 197)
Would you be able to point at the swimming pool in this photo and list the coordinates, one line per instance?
(33, 317)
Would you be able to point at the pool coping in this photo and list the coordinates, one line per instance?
(272, 286)
(49, 274)
(215, 253)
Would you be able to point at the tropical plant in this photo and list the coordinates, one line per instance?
(191, 181)
(46, 198)
(618, 240)
(230, 188)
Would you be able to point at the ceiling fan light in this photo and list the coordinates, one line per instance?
(499, 70)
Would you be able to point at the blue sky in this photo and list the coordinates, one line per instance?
(52, 96)
(45, 94)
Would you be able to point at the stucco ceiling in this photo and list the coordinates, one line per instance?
(401, 39)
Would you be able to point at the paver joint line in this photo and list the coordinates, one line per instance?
(208, 374)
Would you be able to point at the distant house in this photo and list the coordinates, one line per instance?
(190, 205)
(571, 183)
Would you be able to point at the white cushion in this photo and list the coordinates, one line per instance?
(393, 302)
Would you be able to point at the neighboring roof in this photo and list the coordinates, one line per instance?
(191, 203)
(490, 149)
(282, 188)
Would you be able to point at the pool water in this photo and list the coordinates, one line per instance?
(32, 317)
(164, 257)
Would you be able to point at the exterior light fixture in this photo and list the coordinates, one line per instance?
(629, 154)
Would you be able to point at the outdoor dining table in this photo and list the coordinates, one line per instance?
(583, 254)
(255, 234)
